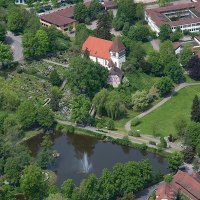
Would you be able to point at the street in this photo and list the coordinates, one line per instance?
(16, 45)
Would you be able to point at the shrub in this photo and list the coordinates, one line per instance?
(134, 133)
(143, 146)
(152, 143)
(69, 129)
(168, 178)
(135, 122)
(110, 124)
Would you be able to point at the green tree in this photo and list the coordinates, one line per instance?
(55, 78)
(164, 86)
(17, 19)
(174, 161)
(185, 56)
(32, 183)
(26, 114)
(45, 156)
(99, 101)
(128, 196)
(157, 67)
(80, 109)
(192, 134)
(114, 106)
(168, 178)
(45, 117)
(80, 12)
(139, 33)
(140, 11)
(104, 26)
(165, 31)
(55, 98)
(28, 44)
(68, 187)
(126, 28)
(163, 142)
(176, 35)
(180, 125)
(198, 148)
(94, 9)
(110, 124)
(2, 33)
(12, 170)
(195, 113)
(85, 76)
(140, 100)
(5, 54)
(42, 43)
(126, 11)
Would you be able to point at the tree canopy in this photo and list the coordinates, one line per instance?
(85, 76)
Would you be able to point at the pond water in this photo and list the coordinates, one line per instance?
(80, 153)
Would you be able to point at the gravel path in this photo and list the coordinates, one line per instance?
(55, 63)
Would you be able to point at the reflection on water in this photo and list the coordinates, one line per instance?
(100, 155)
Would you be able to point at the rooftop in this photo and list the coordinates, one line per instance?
(101, 48)
(159, 15)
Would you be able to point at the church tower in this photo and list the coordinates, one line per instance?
(118, 53)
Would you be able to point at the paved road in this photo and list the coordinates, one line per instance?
(16, 45)
(145, 194)
(179, 87)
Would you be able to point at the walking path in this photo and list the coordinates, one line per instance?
(117, 135)
(177, 88)
(55, 63)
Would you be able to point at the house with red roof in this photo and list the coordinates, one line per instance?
(110, 54)
(182, 182)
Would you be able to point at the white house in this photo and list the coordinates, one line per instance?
(110, 54)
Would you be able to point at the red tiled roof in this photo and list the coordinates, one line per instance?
(182, 182)
(159, 19)
(61, 17)
(97, 47)
(56, 19)
(187, 184)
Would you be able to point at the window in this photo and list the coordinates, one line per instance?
(114, 54)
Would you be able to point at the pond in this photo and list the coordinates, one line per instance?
(80, 153)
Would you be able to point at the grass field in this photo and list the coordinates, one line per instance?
(161, 121)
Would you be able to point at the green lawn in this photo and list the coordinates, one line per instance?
(161, 121)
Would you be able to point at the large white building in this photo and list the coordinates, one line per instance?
(183, 16)
(110, 54)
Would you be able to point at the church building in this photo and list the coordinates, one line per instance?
(110, 54)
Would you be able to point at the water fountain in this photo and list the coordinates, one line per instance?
(85, 165)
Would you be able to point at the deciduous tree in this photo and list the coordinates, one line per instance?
(140, 100)
(33, 183)
(164, 86)
(26, 114)
(165, 31)
(174, 161)
(80, 109)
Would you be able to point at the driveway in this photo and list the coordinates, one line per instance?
(16, 45)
